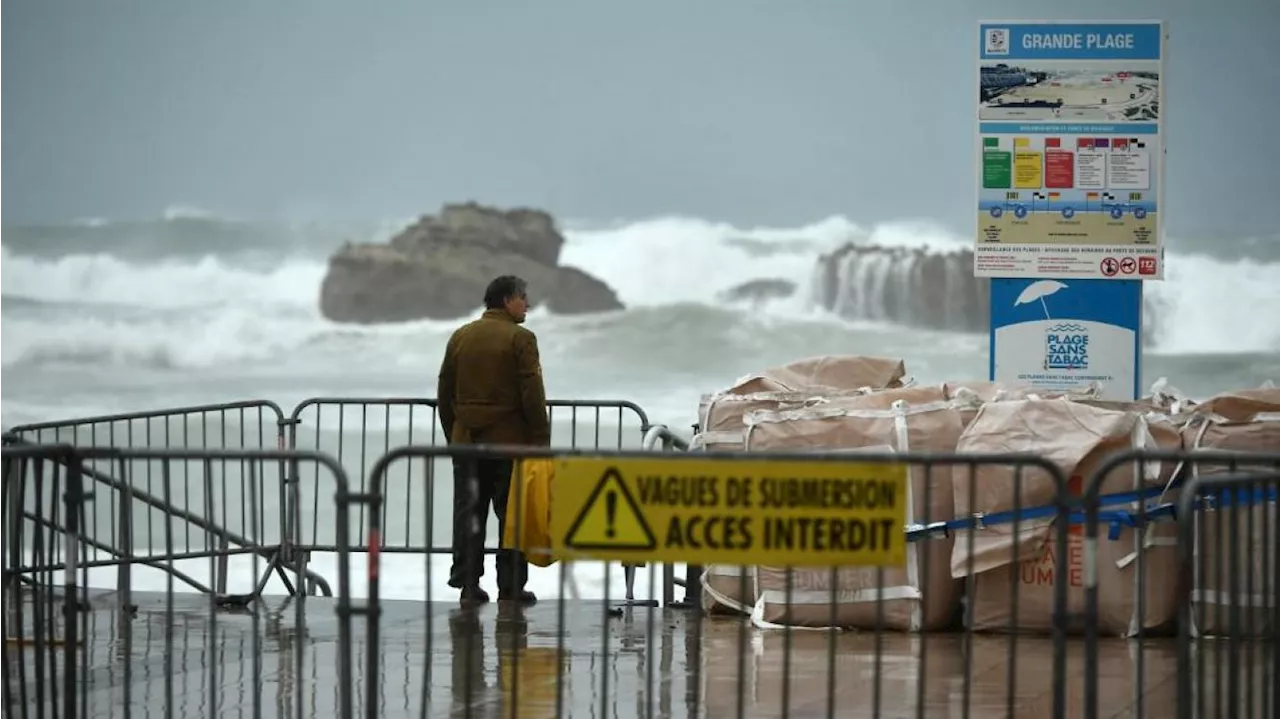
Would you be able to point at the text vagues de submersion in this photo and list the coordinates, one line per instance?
(767, 492)
(737, 531)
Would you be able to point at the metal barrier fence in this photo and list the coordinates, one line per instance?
(131, 489)
(1241, 589)
(357, 431)
(1219, 511)
(57, 486)
(700, 666)
(170, 652)
(1146, 589)
(354, 430)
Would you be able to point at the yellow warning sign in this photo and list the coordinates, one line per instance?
(700, 511)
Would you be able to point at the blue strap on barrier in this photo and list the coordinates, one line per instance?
(1047, 511)
(1236, 498)
(1169, 511)
(1116, 520)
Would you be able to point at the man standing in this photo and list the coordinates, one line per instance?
(490, 391)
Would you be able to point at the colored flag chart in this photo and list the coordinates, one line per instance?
(1092, 193)
(1108, 177)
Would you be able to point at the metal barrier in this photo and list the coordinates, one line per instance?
(695, 666)
(1145, 588)
(170, 649)
(327, 424)
(661, 438)
(232, 423)
(1238, 575)
(1178, 531)
(39, 616)
(125, 490)
(359, 430)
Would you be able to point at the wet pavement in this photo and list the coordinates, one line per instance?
(439, 660)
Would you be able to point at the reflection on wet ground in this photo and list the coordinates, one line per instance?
(504, 661)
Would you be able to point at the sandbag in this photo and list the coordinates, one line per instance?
(732, 589)
(720, 416)
(809, 381)
(1076, 437)
(835, 372)
(922, 596)
(975, 393)
(728, 589)
(1241, 405)
(1245, 421)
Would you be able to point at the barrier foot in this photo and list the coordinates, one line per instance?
(242, 601)
(235, 601)
(629, 573)
(692, 578)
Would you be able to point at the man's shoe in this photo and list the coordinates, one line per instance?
(523, 596)
(474, 595)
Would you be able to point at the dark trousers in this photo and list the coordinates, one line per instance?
(477, 484)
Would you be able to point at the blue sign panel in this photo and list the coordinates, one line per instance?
(1061, 335)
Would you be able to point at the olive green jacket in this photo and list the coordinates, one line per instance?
(490, 387)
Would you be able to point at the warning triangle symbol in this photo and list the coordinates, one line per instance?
(610, 519)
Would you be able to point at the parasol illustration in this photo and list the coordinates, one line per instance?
(1038, 291)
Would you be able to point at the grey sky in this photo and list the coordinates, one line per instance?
(740, 110)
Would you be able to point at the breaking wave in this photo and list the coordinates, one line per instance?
(193, 290)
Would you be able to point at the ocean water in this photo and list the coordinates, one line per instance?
(101, 317)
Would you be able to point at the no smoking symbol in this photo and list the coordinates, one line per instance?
(1128, 265)
(1109, 266)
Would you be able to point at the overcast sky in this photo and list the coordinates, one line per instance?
(781, 111)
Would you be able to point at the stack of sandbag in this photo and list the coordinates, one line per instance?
(809, 381)
(806, 380)
(720, 416)
(1242, 421)
(1075, 436)
(731, 588)
(921, 597)
(973, 394)
(835, 372)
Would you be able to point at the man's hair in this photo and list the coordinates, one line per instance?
(502, 289)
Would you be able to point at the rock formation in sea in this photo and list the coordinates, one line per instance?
(915, 287)
(438, 267)
(928, 288)
(758, 290)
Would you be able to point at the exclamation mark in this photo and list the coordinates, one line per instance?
(611, 511)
